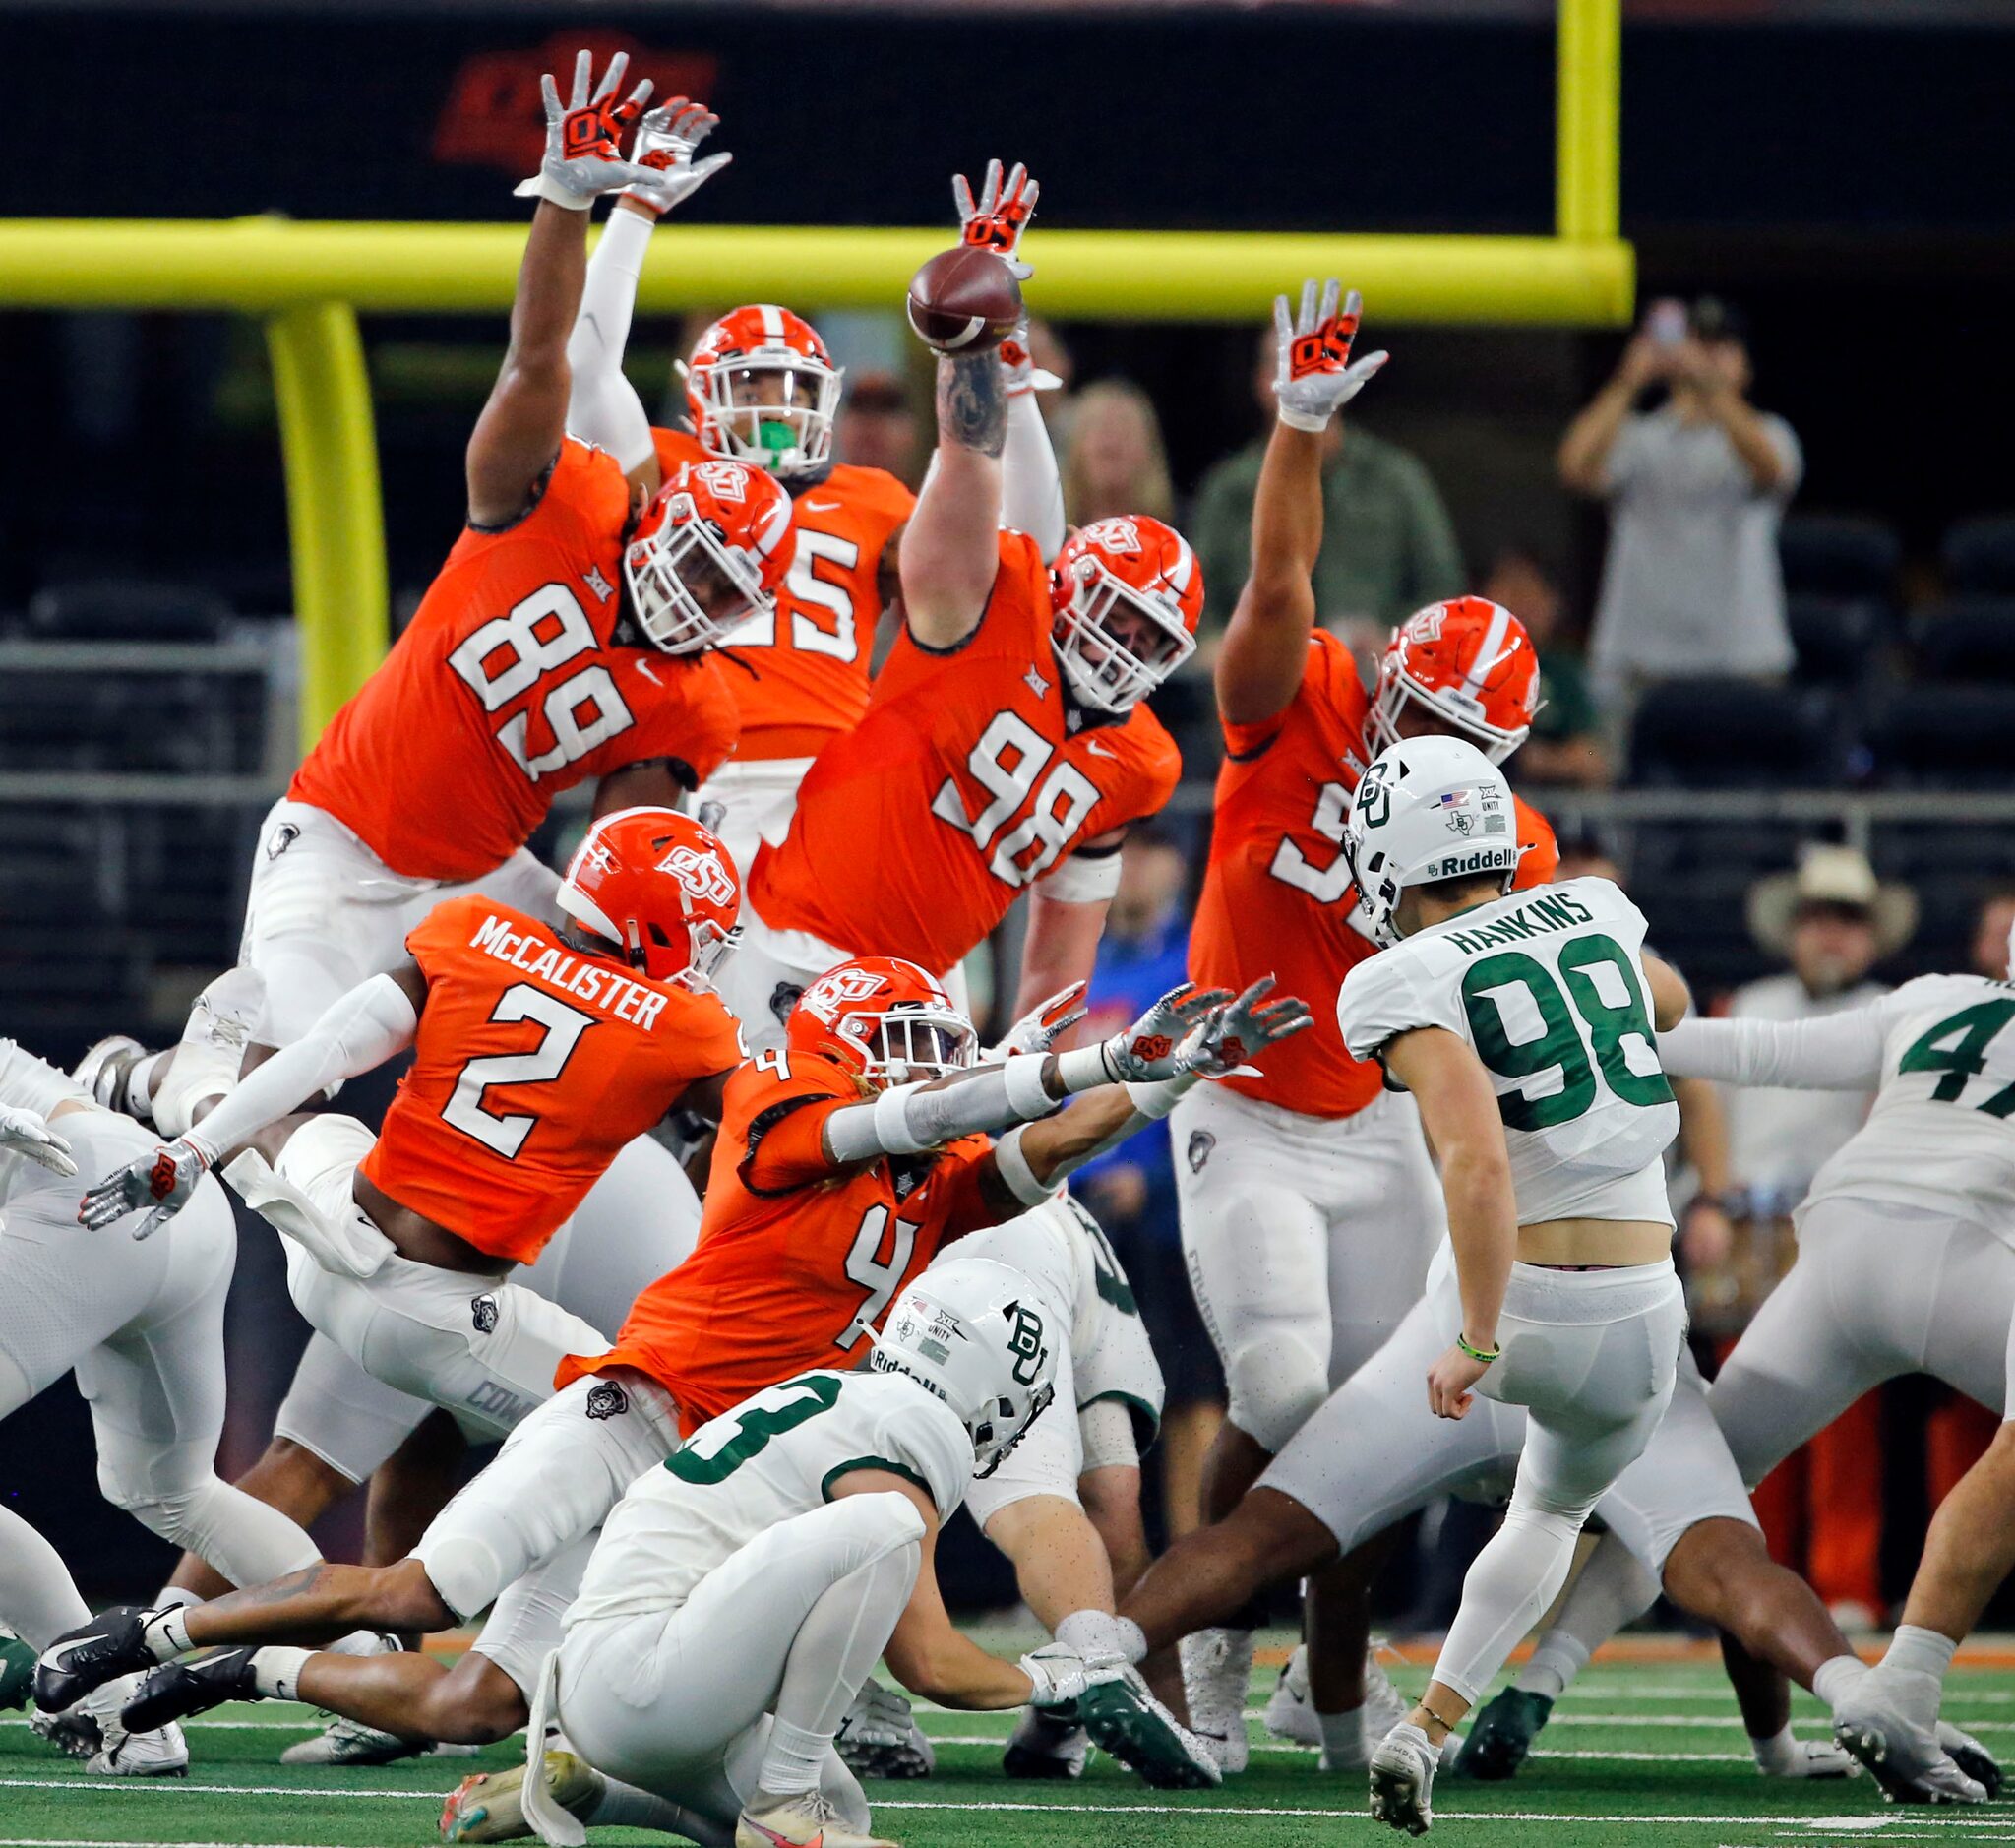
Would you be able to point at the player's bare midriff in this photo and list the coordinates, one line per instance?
(421, 1240)
(1606, 1242)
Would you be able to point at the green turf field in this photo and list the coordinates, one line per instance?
(1638, 1754)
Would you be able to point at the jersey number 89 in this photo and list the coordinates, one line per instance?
(584, 710)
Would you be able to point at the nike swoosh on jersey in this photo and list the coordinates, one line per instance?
(821, 507)
(1099, 749)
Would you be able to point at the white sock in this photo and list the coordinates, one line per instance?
(1343, 1740)
(173, 1597)
(1920, 1651)
(1779, 1754)
(1834, 1677)
(359, 1642)
(140, 1084)
(1097, 1633)
(1542, 1678)
(277, 1672)
(168, 1633)
(38, 1598)
(792, 1759)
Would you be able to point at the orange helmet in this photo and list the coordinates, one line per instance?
(708, 554)
(661, 889)
(761, 388)
(1470, 660)
(886, 1021)
(1127, 594)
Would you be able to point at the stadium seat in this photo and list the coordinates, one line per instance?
(1840, 555)
(1945, 736)
(1842, 641)
(1721, 734)
(126, 609)
(1969, 640)
(1979, 556)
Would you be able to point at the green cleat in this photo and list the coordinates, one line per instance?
(1128, 1722)
(17, 1673)
(1501, 1736)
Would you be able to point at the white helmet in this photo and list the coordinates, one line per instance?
(1427, 807)
(971, 1330)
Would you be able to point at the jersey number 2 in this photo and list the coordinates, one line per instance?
(546, 1061)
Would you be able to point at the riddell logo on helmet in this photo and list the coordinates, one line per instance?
(701, 873)
(841, 989)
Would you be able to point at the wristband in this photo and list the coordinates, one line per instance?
(1156, 1099)
(1022, 1075)
(1486, 1356)
(1084, 1069)
(1303, 420)
(544, 186)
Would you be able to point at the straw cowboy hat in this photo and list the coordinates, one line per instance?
(1837, 876)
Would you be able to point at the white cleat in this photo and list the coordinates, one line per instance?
(1403, 1780)
(352, 1742)
(161, 1752)
(1217, 1670)
(1047, 1746)
(104, 1069)
(1888, 1720)
(1971, 1757)
(220, 1026)
(1817, 1757)
(879, 1737)
(1290, 1711)
(490, 1805)
(811, 1820)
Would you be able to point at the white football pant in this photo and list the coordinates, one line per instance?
(755, 800)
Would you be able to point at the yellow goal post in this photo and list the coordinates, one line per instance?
(308, 282)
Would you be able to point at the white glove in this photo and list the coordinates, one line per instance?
(1162, 1043)
(1040, 1028)
(23, 1132)
(665, 142)
(879, 1716)
(1313, 376)
(1241, 1029)
(1020, 374)
(584, 139)
(1058, 1675)
(997, 219)
(165, 1180)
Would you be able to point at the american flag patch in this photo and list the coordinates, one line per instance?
(1454, 799)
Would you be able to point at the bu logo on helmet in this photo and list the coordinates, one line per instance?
(1115, 534)
(729, 481)
(701, 872)
(830, 993)
(1025, 1343)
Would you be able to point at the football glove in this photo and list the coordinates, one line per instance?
(1041, 1026)
(665, 143)
(1163, 1043)
(584, 137)
(1312, 377)
(164, 1180)
(23, 1132)
(1059, 1675)
(879, 1716)
(1241, 1029)
(997, 219)
(1020, 374)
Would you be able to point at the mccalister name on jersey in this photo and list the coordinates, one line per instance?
(585, 978)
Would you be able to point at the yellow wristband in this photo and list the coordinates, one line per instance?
(1477, 1353)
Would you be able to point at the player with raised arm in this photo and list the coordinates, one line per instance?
(843, 1162)
(143, 1326)
(1309, 1205)
(1903, 1266)
(761, 389)
(1005, 747)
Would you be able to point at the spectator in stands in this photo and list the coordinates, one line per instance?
(1832, 920)
(1565, 745)
(1388, 546)
(1695, 489)
(1116, 461)
(878, 428)
(1992, 924)
(1144, 953)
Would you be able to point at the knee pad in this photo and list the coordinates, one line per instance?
(1275, 1381)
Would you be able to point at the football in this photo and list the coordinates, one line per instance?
(965, 300)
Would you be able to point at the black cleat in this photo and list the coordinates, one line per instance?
(111, 1644)
(1501, 1735)
(180, 1689)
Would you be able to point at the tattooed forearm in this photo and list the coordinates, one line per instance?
(972, 407)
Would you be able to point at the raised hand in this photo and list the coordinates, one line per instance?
(164, 1180)
(1157, 1046)
(1240, 1030)
(584, 137)
(666, 139)
(1040, 1028)
(1313, 374)
(23, 1132)
(997, 219)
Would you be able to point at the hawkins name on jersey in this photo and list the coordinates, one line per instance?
(1549, 988)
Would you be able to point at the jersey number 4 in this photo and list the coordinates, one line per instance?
(508, 654)
(1956, 1048)
(544, 1062)
(880, 1255)
(1005, 763)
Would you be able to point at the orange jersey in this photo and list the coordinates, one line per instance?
(969, 779)
(808, 662)
(1277, 896)
(796, 1263)
(508, 687)
(534, 1065)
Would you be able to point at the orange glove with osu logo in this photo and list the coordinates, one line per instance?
(584, 137)
(1314, 378)
(997, 219)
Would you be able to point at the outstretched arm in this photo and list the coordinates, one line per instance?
(519, 433)
(1266, 646)
(1836, 1052)
(950, 548)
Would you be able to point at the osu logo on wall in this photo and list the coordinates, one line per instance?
(493, 117)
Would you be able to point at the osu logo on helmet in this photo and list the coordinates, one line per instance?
(708, 553)
(1125, 594)
(886, 1021)
(1469, 666)
(657, 886)
(761, 388)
